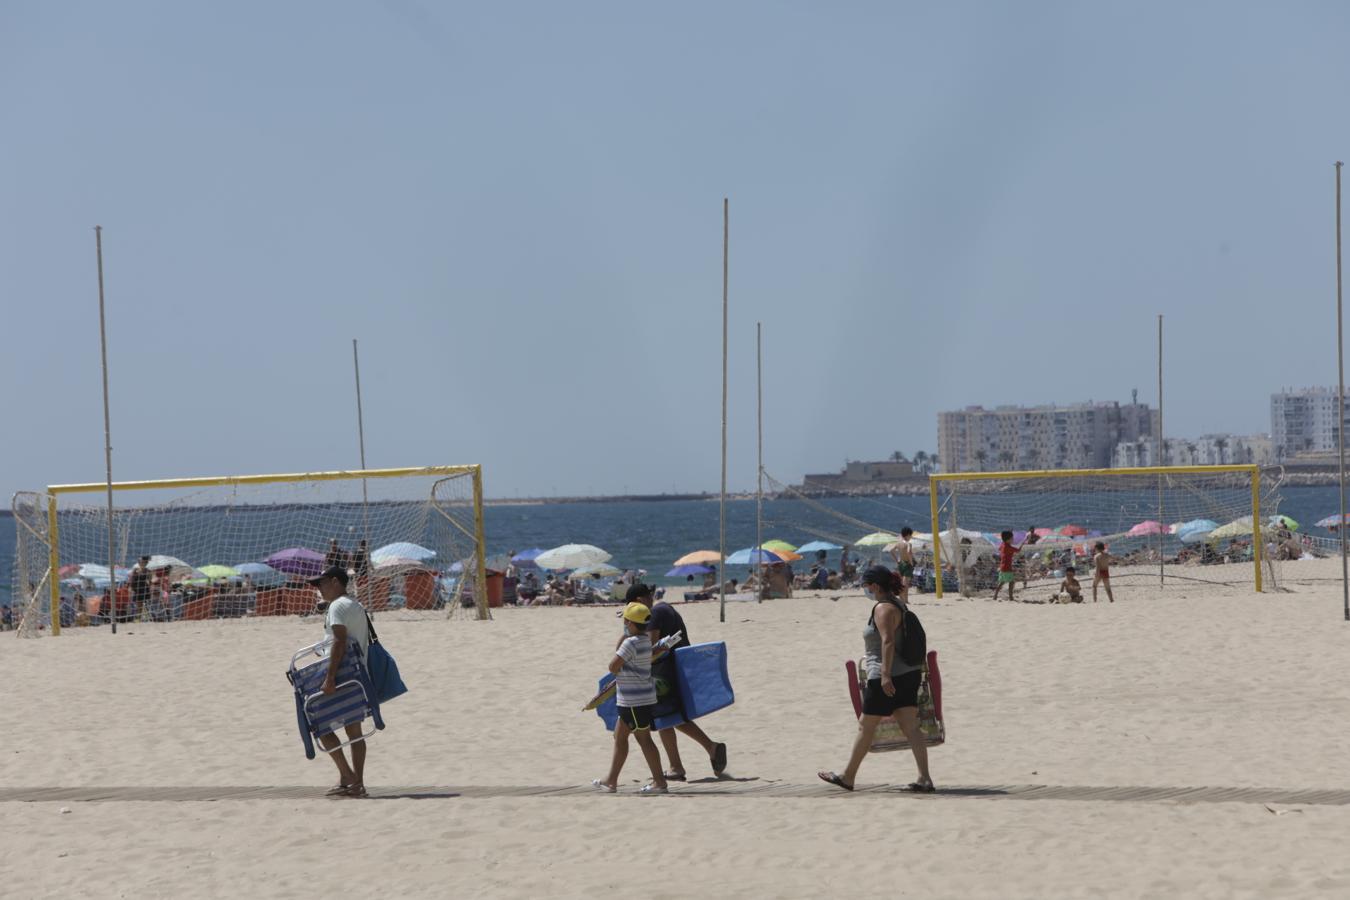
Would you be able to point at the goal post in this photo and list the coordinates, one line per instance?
(276, 527)
(1129, 509)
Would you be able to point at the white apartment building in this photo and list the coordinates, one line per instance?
(1206, 450)
(1081, 436)
(1304, 420)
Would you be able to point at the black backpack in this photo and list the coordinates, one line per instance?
(913, 641)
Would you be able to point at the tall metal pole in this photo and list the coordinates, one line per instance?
(1161, 460)
(111, 612)
(1340, 410)
(722, 506)
(361, 440)
(759, 465)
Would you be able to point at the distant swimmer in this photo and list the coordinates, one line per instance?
(1101, 572)
(635, 696)
(892, 681)
(666, 621)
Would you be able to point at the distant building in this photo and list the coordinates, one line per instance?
(1304, 420)
(1081, 436)
(856, 474)
(1206, 450)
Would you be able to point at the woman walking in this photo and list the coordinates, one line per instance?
(892, 684)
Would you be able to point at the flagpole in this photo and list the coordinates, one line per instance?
(1161, 445)
(1340, 411)
(361, 442)
(111, 611)
(759, 466)
(722, 506)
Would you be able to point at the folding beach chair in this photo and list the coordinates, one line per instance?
(888, 735)
(318, 713)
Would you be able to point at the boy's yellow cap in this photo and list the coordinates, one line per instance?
(637, 612)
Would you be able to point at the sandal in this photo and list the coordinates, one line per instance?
(339, 790)
(358, 791)
(602, 786)
(675, 776)
(719, 759)
(834, 779)
(649, 789)
(921, 787)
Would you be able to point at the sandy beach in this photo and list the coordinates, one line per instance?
(182, 774)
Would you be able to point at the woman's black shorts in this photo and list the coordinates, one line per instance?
(637, 718)
(876, 703)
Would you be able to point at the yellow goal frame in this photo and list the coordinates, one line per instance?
(55, 490)
(935, 481)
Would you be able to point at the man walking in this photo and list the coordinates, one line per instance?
(665, 620)
(344, 621)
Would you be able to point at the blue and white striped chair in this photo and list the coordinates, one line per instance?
(317, 713)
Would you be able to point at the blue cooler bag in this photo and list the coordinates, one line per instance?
(705, 686)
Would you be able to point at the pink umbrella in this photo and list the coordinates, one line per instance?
(1073, 530)
(1148, 527)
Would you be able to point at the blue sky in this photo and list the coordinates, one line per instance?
(517, 209)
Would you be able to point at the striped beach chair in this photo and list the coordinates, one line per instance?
(317, 713)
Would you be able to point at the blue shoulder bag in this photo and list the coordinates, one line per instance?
(383, 670)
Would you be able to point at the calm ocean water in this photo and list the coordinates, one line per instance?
(651, 534)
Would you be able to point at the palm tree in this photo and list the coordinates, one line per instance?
(897, 456)
(1221, 445)
(1005, 459)
(921, 461)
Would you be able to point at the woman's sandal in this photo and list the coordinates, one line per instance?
(920, 787)
(602, 786)
(358, 791)
(834, 779)
(339, 790)
(676, 776)
(649, 789)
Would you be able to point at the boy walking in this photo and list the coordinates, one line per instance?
(635, 695)
(1007, 553)
(1101, 571)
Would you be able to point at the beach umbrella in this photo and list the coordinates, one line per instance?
(876, 539)
(260, 574)
(1073, 530)
(571, 556)
(1194, 531)
(214, 572)
(527, 557)
(1235, 528)
(816, 547)
(699, 557)
(1277, 521)
(400, 550)
(177, 568)
(71, 569)
(1055, 540)
(1332, 522)
(297, 561)
(393, 565)
(776, 546)
(687, 570)
(595, 570)
(95, 572)
(750, 556)
(1148, 526)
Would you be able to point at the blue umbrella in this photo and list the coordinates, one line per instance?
(1195, 530)
(750, 555)
(261, 574)
(683, 571)
(817, 545)
(526, 557)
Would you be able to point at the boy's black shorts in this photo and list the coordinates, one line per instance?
(637, 718)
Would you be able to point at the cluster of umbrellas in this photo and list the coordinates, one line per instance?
(582, 562)
(271, 572)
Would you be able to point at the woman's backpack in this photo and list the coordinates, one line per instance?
(913, 640)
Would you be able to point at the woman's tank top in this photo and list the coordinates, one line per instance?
(872, 649)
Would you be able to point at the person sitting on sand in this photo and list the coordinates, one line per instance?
(1070, 586)
(892, 684)
(635, 696)
(1101, 572)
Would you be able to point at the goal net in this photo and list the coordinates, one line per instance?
(1217, 524)
(243, 546)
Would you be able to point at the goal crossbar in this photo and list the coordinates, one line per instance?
(936, 480)
(53, 491)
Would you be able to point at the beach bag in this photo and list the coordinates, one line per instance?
(383, 670)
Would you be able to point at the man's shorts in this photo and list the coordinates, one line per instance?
(637, 718)
(905, 570)
(1007, 577)
(665, 680)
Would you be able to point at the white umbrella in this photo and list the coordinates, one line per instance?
(400, 550)
(177, 568)
(571, 556)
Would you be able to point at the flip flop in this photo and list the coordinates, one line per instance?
(919, 787)
(719, 758)
(337, 790)
(676, 776)
(650, 789)
(834, 779)
(602, 787)
(358, 791)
